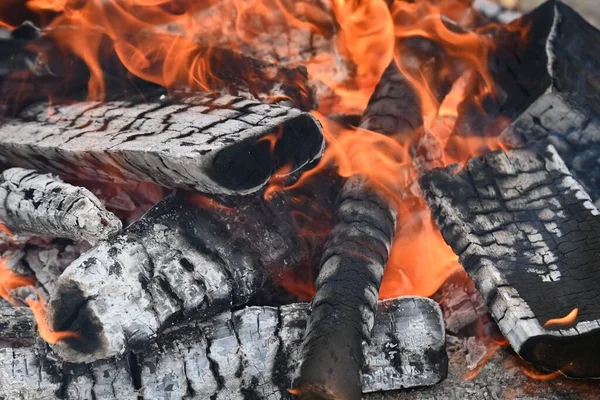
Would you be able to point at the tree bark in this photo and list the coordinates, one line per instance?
(526, 232)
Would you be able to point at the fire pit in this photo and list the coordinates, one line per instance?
(268, 199)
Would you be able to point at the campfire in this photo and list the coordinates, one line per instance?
(273, 199)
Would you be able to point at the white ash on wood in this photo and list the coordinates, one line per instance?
(42, 204)
(528, 234)
(250, 353)
(180, 260)
(213, 144)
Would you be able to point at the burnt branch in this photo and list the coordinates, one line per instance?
(250, 353)
(180, 260)
(44, 205)
(527, 233)
(226, 145)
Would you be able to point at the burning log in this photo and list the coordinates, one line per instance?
(527, 233)
(250, 353)
(44, 205)
(34, 62)
(353, 262)
(187, 257)
(223, 145)
(343, 308)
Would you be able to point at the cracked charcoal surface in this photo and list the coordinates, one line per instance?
(250, 353)
(42, 204)
(178, 261)
(210, 144)
(528, 234)
(566, 115)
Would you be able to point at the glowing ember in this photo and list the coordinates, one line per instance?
(207, 203)
(567, 320)
(4, 229)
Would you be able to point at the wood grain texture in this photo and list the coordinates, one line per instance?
(213, 144)
(42, 204)
(250, 353)
(528, 234)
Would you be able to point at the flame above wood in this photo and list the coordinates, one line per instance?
(359, 41)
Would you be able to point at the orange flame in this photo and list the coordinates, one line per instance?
(567, 320)
(538, 376)
(208, 203)
(170, 43)
(46, 333)
(10, 281)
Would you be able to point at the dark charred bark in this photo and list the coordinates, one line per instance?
(343, 308)
(212, 144)
(250, 353)
(527, 233)
(44, 205)
(186, 258)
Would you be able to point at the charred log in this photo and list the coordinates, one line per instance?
(568, 125)
(224, 145)
(17, 326)
(250, 353)
(180, 260)
(527, 233)
(36, 65)
(44, 205)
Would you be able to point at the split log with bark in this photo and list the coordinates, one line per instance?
(42, 204)
(212, 144)
(528, 234)
(250, 353)
(189, 256)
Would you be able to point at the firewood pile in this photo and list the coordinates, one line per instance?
(214, 201)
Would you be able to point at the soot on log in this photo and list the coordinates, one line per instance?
(250, 353)
(213, 144)
(528, 234)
